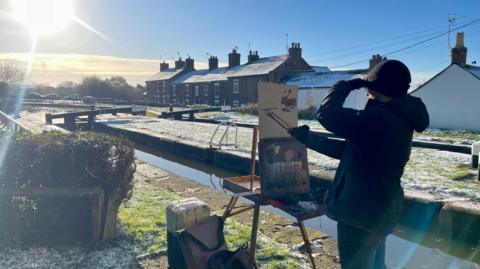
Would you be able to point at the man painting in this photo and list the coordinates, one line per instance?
(366, 195)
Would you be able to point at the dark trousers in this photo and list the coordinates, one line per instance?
(360, 249)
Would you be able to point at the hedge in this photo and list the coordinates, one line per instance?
(54, 159)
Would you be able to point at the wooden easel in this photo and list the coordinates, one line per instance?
(245, 187)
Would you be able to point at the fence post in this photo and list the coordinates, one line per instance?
(475, 152)
(48, 118)
(478, 167)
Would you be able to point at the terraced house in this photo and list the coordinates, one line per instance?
(234, 85)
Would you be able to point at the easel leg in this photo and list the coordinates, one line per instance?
(229, 207)
(303, 231)
(253, 240)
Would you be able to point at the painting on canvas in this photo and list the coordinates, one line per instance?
(277, 109)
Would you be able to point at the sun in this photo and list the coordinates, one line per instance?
(42, 17)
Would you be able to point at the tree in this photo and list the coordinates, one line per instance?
(4, 89)
(115, 87)
(11, 74)
(95, 86)
(67, 88)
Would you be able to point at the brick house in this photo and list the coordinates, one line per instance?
(235, 84)
(159, 85)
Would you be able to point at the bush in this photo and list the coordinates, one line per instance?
(308, 114)
(251, 108)
(54, 159)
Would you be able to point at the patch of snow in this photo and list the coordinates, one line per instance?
(118, 255)
(475, 70)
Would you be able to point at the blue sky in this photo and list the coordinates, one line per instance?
(330, 32)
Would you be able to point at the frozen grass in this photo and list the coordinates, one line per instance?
(117, 254)
(456, 137)
(142, 231)
(143, 220)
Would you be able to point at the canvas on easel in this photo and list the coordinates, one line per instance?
(283, 159)
(279, 100)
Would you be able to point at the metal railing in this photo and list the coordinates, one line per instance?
(227, 126)
(8, 123)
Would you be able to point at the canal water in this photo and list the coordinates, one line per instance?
(400, 253)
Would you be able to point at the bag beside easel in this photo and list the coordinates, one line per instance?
(226, 259)
(200, 241)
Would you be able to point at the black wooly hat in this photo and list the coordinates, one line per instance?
(390, 77)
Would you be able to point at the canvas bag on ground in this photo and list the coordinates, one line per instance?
(201, 241)
(225, 259)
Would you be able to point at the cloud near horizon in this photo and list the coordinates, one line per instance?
(52, 69)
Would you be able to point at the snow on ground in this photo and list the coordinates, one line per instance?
(438, 172)
(117, 255)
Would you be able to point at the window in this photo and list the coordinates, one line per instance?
(205, 90)
(197, 90)
(216, 102)
(235, 103)
(236, 86)
(164, 83)
(216, 90)
(187, 90)
(174, 90)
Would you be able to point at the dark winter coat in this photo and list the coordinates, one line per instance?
(366, 192)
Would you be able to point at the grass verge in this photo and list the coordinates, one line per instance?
(143, 220)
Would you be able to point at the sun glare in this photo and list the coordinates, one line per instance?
(41, 17)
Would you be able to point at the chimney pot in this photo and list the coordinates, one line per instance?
(212, 63)
(376, 59)
(459, 53)
(163, 66)
(295, 50)
(189, 64)
(233, 58)
(179, 63)
(253, 56)
(460, 40)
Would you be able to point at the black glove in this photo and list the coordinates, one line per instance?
(300, 133)
(358, 83)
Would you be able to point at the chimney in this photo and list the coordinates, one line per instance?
(212, 63)
(253, 56)
(295, 51)
(179, 63)
(189, 64)
(233, 58)
(163, 66)
(376, 59)
(459, 53)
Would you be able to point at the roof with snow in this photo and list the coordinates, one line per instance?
(261, 66)
(475, 70)
(472, 69)
(165, 74)
(322, 79)
(203, 75)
